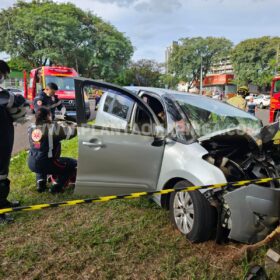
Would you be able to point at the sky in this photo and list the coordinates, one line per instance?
(152, 25)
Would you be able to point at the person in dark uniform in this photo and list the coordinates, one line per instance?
(45, 148)
(48, 99)
(12, 108)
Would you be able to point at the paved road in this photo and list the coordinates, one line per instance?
(21, 139)
(263, 115)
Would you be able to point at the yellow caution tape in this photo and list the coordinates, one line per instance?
(134, 195)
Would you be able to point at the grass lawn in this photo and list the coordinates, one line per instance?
(115, 240)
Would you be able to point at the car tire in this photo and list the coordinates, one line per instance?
(261, 106)
(192, 214)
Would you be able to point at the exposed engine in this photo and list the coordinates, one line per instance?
(240, 157)
(246, 214)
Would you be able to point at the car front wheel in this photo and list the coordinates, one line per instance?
(192, 214)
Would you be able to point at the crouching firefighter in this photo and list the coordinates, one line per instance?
(12, 109)
(45, 148)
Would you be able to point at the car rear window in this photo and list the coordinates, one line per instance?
(118, 105)
(121, 106)
(108, 101)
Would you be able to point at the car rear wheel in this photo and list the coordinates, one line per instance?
(192, 214)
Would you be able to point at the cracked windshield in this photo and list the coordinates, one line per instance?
(208, 116)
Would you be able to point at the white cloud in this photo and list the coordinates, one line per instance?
(6, 3)
(121, 3)
(145, 5)
(158, 6)
(153, 24)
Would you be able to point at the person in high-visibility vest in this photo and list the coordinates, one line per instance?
(239, 100)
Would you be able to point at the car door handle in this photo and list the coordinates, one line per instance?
(94, 145)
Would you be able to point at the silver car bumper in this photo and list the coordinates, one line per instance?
(255, 211)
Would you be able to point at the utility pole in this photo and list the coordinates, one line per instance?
(201, 82)
(77, 66)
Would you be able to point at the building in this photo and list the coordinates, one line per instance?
(15, 80)
(219, 78)
(224, 66)
(217, 84)
(168, 53)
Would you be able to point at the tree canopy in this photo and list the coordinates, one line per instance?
(143, 72)
(185, 59)
(42, 31)
(254, 60)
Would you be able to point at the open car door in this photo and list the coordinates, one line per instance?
(119, 153)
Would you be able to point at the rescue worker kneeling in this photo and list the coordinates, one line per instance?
(45, 148)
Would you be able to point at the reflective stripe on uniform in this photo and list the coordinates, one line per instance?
(3, 177)
(55, 105)
(69, 133)
(50, 136)
(11, 101)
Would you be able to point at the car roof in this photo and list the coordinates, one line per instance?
(136, 89)
(158, 91)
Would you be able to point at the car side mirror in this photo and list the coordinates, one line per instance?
(159, 131)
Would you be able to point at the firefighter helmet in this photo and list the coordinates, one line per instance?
(243, 91)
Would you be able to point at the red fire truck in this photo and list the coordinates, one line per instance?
(62, 76)
(274, 113)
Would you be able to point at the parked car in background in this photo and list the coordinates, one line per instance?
(251, 94)
(216, 95)
(150, 139)
(262, 101)
(15, 91)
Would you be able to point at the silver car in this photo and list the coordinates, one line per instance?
(148, 139)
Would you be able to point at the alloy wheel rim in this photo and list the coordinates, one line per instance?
(183, 211)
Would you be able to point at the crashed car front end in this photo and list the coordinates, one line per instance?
(243, 150)
(247, 213)
(254, 212)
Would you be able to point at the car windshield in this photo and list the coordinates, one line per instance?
(209, 116)
(63, 83)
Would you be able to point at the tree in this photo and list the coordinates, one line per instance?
(19, 64)
(44, 31)
(186, 57)
(168, 81)
(109, 53)
(143, 73)
(254, 60)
